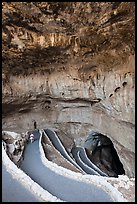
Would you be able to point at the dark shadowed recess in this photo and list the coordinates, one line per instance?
(100, 150)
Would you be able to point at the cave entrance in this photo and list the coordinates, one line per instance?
(100, 150)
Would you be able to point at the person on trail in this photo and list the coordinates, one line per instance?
(35, 125)
(31, 138)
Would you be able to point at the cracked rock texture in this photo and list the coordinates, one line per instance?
(71, 66)
(14, 146)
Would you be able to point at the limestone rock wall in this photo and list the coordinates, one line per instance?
(71, 66)
(109, 89)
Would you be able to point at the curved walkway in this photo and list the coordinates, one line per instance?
(52, 154)
(18, 187)
(76, 154)
(58, 185)
(53, 183)
(85, 159)
(59, 146)
(13, 190)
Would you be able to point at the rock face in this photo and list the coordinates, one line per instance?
(14, 146)
(71, 66)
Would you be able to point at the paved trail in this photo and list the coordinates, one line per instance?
(14, 191)
(60, 186)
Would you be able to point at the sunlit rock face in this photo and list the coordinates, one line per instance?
(71, 66)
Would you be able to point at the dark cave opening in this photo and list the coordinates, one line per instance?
(100, 150)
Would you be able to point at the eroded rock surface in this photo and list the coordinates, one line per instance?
(71, 66)
(14, 145)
